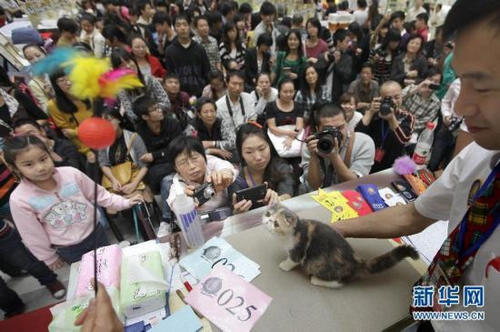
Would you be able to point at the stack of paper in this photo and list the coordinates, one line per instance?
(218, 252)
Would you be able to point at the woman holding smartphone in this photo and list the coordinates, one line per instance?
(259, 165)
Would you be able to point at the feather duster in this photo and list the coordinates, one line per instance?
(116, 80)
(59, 58)
(404, 165)
(85, 75)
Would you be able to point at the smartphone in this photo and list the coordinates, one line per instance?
(253, 194)
(405, 190)
(433, 86)
(287, 69)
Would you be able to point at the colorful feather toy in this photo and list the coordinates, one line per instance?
(59, 58)
(85, 74)
(90, 77)
(116, 80)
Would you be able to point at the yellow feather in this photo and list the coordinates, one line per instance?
(112, 88)
(84, 76)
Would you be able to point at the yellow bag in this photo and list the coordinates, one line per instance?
(123, 172)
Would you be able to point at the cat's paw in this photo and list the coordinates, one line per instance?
(287, 265)
(323, 283)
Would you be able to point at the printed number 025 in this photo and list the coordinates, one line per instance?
(239, 303)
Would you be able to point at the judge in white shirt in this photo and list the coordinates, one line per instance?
(450, 196)
(236, 107)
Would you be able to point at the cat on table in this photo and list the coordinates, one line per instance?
(323, 253)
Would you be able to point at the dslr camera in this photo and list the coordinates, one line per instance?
(386, 106)
(204, 193)
(326, 139)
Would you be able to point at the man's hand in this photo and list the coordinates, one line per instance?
(99, 316)
(375, 105)
(312, 146)
(147, 158)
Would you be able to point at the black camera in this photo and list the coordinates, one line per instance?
(386, 106)
(204, 193)
(326, 139)
(455, 123)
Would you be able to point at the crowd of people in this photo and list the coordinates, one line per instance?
(232, 95)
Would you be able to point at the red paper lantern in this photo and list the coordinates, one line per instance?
(96, 133)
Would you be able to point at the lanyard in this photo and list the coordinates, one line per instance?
(385, 132)
(251, 178)
(463, 224)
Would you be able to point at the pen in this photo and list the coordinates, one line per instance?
(181, 296)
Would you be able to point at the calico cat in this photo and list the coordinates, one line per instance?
(323, 253)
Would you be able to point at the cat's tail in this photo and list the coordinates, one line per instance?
(388, 260)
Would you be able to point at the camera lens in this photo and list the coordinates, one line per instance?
(325, 144)
(209, 192)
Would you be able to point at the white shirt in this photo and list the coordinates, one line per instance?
(449, 100)
(447, 199)
(354, 120)
(260, 103)
(220, 199)
(361, 16)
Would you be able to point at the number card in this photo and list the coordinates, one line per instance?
(228, 301)
(218, 252)
(390, 197)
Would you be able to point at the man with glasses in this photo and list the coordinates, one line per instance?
(388, 124)
(350, 157)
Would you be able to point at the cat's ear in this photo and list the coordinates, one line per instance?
(290, 216)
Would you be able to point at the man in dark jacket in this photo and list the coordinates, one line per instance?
(187, 59)
(156, 131)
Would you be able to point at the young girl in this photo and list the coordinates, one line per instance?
(52, 207)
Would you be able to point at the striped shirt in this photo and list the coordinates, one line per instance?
(210, 46)
(424, 110)
(227, 55)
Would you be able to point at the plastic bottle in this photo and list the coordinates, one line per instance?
(424, 144)
(188, 220)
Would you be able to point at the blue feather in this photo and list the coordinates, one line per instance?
(54, 61)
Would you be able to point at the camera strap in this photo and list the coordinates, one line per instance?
(230, 109)
(384, 132)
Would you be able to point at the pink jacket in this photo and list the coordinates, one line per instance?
(62, 217)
